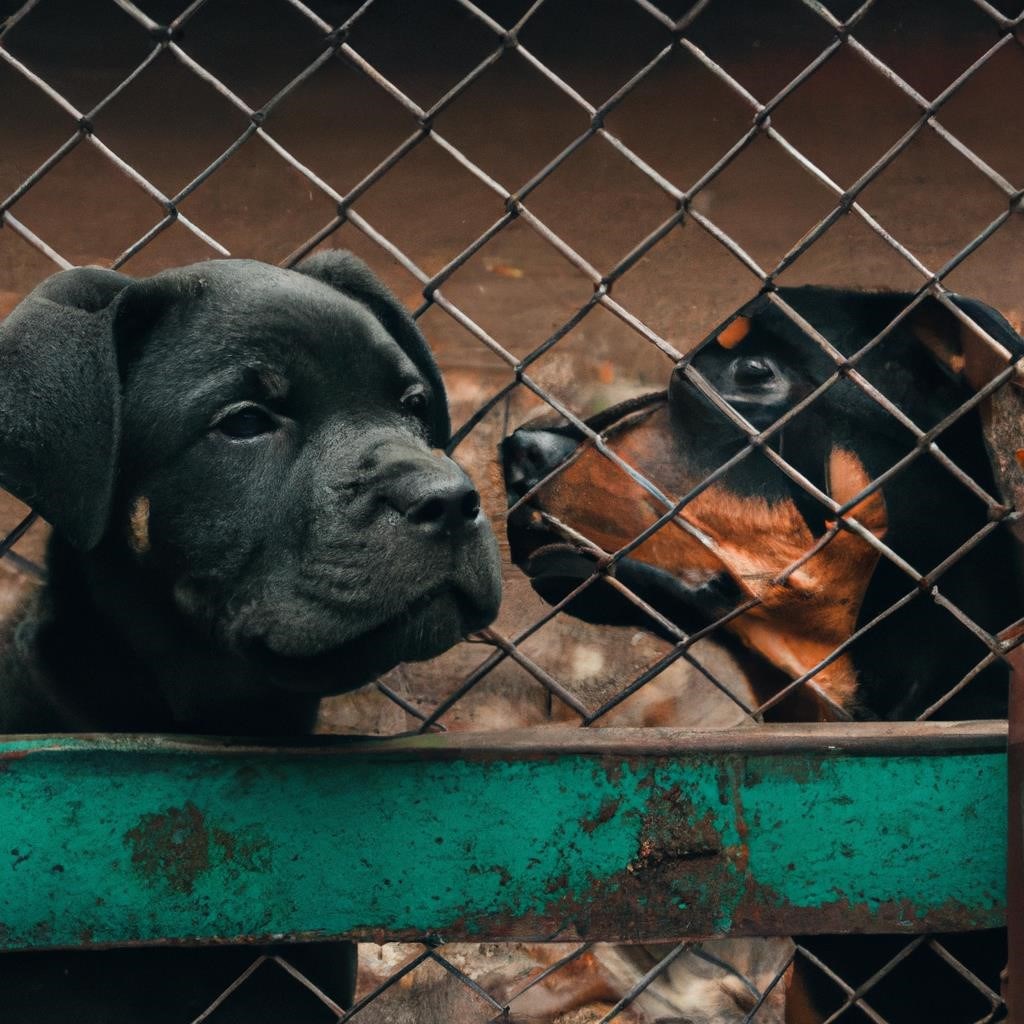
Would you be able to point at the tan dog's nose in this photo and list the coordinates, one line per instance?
(529, 455)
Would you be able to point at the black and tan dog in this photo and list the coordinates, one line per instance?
(251, 511)
(745, 536)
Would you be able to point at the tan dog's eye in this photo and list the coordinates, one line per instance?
(753, 371)
(246, 422)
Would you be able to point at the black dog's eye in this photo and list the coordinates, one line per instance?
(415, 399)
(249, 421)
(752, 371)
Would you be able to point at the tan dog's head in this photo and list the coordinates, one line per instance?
(744, 493)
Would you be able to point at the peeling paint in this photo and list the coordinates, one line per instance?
(152, 841)
(172, 846)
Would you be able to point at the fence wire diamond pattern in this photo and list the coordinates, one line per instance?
(513, 204)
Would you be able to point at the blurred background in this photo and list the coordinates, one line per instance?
(419, 128)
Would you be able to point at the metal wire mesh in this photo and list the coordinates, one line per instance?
(629, 987)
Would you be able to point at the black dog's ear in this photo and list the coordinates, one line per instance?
(349, 274)
(60, 401)
(959, 348)
(148, 299)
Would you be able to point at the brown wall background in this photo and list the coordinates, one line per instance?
(170, 125)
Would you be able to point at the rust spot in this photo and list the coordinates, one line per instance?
(604, 814)
(173, 846)
(740, 854)
(178, 846)
(243, 851)
(41, 933)
(558, 884)
(669, 832)
(1019, 456)
(759, 914)
(734, 333)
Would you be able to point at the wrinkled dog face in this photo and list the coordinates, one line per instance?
(248, 456)
(281, 476)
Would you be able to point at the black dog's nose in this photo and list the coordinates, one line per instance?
(437, 501)
(447, 506)
(530, 454)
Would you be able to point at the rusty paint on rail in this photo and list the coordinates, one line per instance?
(554, 834)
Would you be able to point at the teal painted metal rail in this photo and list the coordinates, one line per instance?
(547, 834)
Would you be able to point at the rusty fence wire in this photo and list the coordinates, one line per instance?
(646, 983)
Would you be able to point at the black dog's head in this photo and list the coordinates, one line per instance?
(746, 521)
(257, 453)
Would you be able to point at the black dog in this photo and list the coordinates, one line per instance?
(241, 465)
(742, 532)
(735, 539)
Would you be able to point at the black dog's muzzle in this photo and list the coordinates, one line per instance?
(435, 498)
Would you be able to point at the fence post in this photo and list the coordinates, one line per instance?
(1014, 980)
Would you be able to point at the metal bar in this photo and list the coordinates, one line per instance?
(1014, 993)
(653, 833)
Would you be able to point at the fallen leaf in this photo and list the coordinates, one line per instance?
(504, 270)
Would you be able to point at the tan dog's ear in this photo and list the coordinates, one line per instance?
(962, 350)
(847, 563)
(817, 612)
(957, 344)
(845, 478)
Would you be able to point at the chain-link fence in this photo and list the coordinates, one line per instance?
(572, 198)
